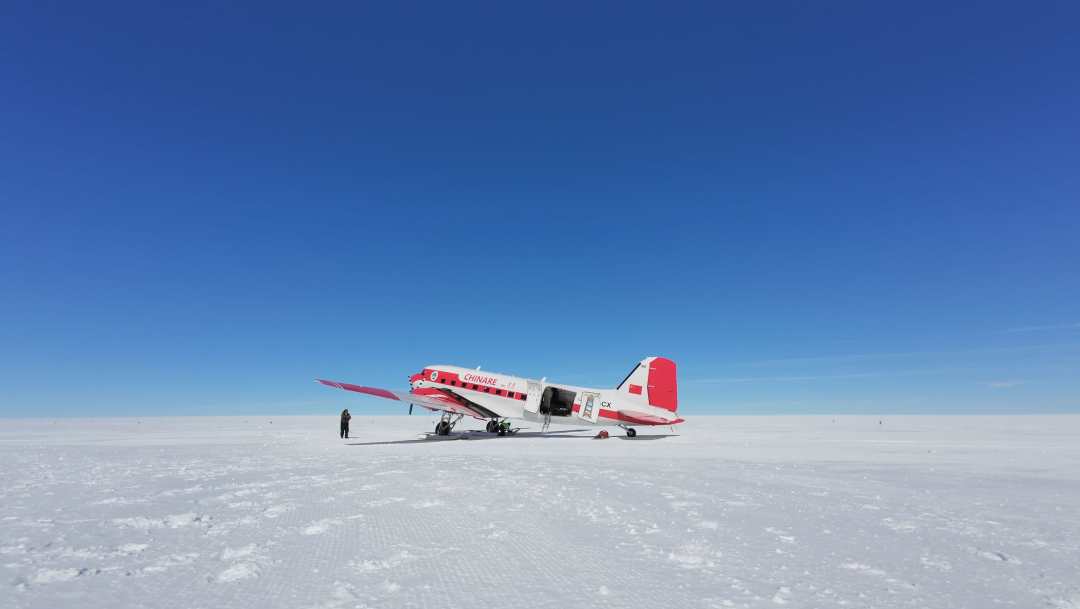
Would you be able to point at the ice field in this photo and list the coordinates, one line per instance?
(267, 512)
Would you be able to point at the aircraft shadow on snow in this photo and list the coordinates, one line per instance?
(483, 435)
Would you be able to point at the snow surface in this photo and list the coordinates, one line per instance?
(728, 512)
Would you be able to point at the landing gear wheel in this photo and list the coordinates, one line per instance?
(442, 428)
(492, 427)
(630, 432)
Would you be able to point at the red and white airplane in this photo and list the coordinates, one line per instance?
(647, 396)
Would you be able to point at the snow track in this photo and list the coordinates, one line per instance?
(731, 512)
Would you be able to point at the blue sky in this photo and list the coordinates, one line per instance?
(842, 208)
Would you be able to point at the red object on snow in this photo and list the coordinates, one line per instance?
(603, 435)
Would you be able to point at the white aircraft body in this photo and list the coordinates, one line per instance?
(647, 396)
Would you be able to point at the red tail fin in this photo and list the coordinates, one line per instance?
(653, 379)
(663, 388)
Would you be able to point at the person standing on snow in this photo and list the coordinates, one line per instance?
(345, 416)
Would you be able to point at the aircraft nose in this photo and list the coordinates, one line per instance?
(415, 377)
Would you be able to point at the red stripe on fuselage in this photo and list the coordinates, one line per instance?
(448, 379)
(616, 416)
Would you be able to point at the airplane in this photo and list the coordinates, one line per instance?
(648, 396)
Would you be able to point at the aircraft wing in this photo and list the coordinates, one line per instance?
(435, 401)
(641, 418)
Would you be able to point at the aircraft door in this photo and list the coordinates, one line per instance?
(532, 397)
(590, 407)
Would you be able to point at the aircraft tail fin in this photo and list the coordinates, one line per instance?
(653, 379)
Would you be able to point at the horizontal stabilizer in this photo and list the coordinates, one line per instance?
(641, 418)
